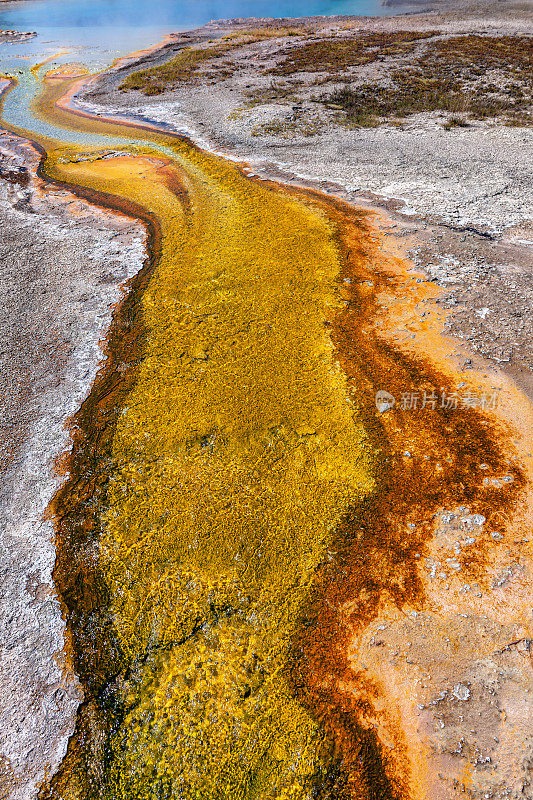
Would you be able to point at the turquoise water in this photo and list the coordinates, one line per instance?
(97, 31)
(119, 26)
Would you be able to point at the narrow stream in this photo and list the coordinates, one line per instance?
(220, 377)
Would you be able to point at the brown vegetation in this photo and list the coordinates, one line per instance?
(474, 75)
(335, 55)
(192, 63)
(481, 76)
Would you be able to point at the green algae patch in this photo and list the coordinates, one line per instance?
(233, 460)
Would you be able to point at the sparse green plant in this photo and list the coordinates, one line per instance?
(481, 77)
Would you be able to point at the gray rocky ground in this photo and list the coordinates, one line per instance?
(15, 36)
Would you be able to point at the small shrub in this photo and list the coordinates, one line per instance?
(455, 122)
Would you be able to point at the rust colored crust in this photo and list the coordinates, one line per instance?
(378, 544)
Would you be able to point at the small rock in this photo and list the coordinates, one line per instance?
(461, 692)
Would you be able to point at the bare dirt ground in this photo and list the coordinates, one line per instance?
(6, 37)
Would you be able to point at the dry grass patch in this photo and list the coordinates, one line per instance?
(190, 64)
(336, 55)
(480, 76)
